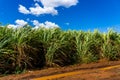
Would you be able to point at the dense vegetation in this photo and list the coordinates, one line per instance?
(28, 48)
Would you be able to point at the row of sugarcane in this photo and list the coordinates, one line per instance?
(28, 48)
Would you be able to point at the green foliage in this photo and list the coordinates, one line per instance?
(28, 48)
(111, 45)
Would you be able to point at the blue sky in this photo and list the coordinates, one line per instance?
(68, 14)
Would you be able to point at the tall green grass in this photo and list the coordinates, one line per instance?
(28, 48)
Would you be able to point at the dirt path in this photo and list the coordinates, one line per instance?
(94, 71)
(59, 76)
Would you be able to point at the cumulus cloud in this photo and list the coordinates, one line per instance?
(49, 7)
(11, 26)
(67, 24)
(50, 25)
(23, 9)
(37, 10)
(46, 24)
(18, 23)
(57, 3)
(37, 24)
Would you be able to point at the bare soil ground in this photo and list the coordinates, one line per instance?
(103, 70)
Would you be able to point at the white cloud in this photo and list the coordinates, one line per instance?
(50, 25)
(67, 24)
(12, 26)
(37, 10)
(37, 24)
(46, 24)
(18, 23)
(23, 9)
(49, 7)
(57, 3)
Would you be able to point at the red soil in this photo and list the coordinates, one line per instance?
(102, 70)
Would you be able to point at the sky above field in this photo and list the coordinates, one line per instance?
(66, 14)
